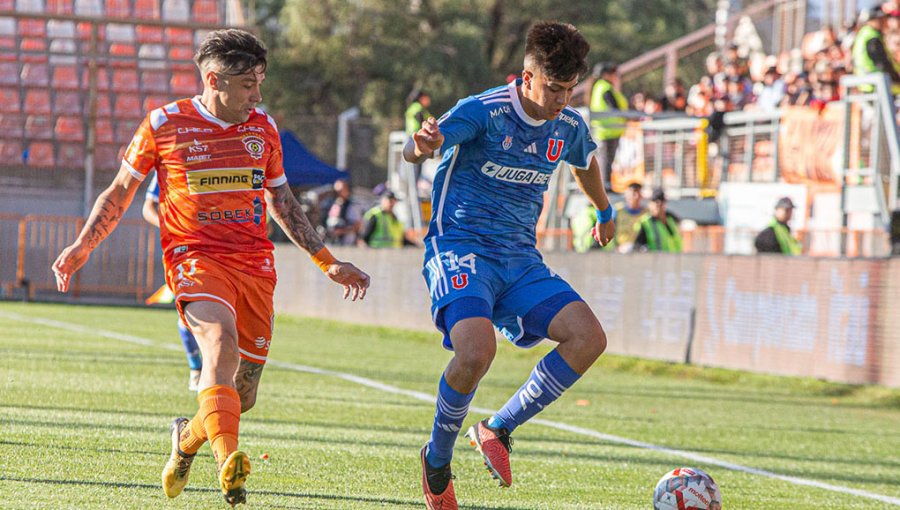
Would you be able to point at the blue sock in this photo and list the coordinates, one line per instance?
(191, 349)
(549, 379)
(452, 407)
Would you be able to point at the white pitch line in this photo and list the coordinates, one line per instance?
(425, 397)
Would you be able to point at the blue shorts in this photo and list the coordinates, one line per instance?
(522, 294)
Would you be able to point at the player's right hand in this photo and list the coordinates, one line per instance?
(72, 258)
(354, 281)
(429, 138)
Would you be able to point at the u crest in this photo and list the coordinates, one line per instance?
(460, 280)
(554, 149)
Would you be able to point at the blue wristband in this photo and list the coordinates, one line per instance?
(605, 215)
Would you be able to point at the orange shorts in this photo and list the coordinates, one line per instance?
(198, 277)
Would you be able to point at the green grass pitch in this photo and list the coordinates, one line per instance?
(84, 420)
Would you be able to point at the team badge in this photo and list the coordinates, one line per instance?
(507, 142)
(254, 146)
(460, 281)
(554, 149)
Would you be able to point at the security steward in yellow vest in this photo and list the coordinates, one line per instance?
(605, 97)
(869, 52)
(381, 228)
(417, 112)
(658, 230)
(777, 237)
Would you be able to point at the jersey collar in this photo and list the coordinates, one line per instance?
(207, 115)
(517, 105)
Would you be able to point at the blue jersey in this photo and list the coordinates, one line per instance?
(153, 189)
(497, 163)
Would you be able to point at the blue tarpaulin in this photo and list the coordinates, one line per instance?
(302, 168)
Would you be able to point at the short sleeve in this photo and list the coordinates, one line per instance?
(275, 166)
(583, 147)
(142, 155)
(464, 122)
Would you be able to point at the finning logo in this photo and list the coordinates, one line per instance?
(221, 180)
(254, 146)
(460, 281)
(554, 149)
(507, 142)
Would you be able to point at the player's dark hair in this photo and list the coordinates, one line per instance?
(557, 49)
(232, 51)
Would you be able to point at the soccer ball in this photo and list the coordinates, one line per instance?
(687, 489)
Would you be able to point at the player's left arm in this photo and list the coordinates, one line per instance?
(591, 183)
(288, 213)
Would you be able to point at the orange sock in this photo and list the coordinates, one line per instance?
(194, 435)
(220, 415)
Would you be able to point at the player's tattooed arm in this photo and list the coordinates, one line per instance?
(290, 216)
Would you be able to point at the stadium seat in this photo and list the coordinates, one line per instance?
(67, 102)
(102, 78)
(124, 80)
(30, 45)
(205, 11)
(124, 54)
(155, 101)
(104, 131)
(8, 45)
(184, 83)
(38, 127)
(62, 51)
(8, 28)
(69, 129)
(104, 106)
(7, 5)
(184, 53)
(71, 155)
(176, 10)
(60, 7)
(125, 130)
(179, 36)
(88, 8)
(37, 101)
(152, 56)
(12, 125)
(9, 73)
(147, 9)
(154, 82)
(9, 100)
(85, 28)
(118, 8)
(105, 156)
(120, 32)
(11, 152)
(32, 28)
(65, 77)
(29, 5)
(40, 154)
(127, 106)
(35, 75)
(148, 34)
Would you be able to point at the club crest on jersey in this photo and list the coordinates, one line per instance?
(460, 281)
(507, 143)
(554, 149)
(254, 146)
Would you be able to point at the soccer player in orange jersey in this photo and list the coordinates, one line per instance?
(219, 163)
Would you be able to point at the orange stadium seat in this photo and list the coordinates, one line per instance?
(124, 80)
(118, 8)
(8, 42)
(104, 108)
(102, 78)
(105, 156)
(205, 11)
(38, 127)
(148, 34)
(184, 83)
(9, 100)
(127, 106)
(71, 155)
(125, 54)
(125, 130)
(40, 154)
(11, 152)
(7, 5)
(35, 75)
(67, 102)
(84, 31)
(155, 101)
(34, 49)
(181, 52)
(69, 129)
(9, 73)
(148, 9)
(154, 81)
(11, 125)
(60, 7)
(104, 131)
(37, 101)
(32, 28)
(65, 77)
(180, 36)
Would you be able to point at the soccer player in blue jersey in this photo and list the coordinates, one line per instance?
(191, 349)
(482, 266)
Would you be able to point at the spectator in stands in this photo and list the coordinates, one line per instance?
(605, 97)
(417, 111)
(869, 52)
(737, 93)
(628, 216)
(658, 229)
(772, 92)
(699, 100)
(381, 228)
(675, 97)
(342, 222)
(637, 101)
(777, 238)
(797, 91)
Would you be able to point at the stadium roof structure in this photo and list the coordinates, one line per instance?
(303, 168)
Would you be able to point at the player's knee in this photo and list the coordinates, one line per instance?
(477, 361)
(593, 342)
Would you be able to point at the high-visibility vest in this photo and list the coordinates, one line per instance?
(388, 231)
(412, 123)
(582, 224)
(660, 238)
(787, 243)
(607, 128)
(627, 225)
(862, 62)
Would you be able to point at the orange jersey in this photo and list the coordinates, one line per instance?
(212, 178)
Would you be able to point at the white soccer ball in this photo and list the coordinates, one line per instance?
(687, 489)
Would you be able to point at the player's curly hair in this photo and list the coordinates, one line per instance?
(232, 51)
(557, 49)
